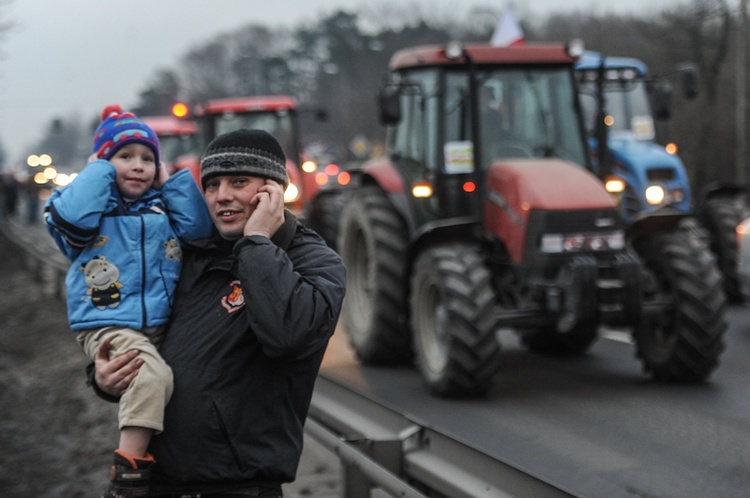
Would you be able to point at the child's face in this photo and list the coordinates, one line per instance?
(136, 169)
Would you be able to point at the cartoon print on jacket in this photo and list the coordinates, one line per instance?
(173, 250)
(102, 280)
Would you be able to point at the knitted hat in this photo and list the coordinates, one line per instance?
(244, 152)
(120, 128)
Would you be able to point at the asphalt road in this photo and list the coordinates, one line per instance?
(595, 425)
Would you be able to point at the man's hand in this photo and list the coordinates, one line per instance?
(115, 375)
(268, 215)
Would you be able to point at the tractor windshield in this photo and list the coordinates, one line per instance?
(173, 146)
(628, 108)
(523, 113)
(277, 123)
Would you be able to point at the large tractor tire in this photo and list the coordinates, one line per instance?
(323, 215)
(454, 321)
(721, 215)
(684, 341)
(372, 242)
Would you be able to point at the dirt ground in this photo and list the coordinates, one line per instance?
(56, 437)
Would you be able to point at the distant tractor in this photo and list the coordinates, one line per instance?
(621, 103)
(176, 136)
(484, 215)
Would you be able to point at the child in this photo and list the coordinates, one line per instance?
(121, 222)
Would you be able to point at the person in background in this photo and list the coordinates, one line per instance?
(122, 223)
(254, 310)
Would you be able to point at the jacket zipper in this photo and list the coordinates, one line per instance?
(143, 271)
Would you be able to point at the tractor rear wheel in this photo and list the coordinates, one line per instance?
(324, 213)
(372, 242)
(721, 215)
(454, 321)
(683, 342)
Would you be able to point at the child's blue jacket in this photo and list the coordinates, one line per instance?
(126, 258)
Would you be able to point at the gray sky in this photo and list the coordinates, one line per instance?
(77, 56)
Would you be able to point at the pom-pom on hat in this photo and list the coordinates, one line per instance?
(244, 152)
(120, 128)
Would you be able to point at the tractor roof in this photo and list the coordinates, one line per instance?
(434, 55)
(170, 125)
(247, 104)
(592, 60)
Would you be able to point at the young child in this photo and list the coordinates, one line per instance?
(121, 222)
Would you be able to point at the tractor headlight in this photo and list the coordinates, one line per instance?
(291, 193)
(655, 194)
(557, 243)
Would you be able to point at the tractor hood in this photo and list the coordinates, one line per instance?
(517, 187)
(550, 184)
(641, 153)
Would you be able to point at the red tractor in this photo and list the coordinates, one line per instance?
(278, 115)
(176, 137)
(484, 216)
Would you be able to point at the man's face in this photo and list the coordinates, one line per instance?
(229, 200)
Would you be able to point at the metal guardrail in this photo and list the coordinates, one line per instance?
(381, 448)
(43, 258)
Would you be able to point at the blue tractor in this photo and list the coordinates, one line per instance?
(621, 102)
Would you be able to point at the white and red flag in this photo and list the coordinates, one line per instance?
(507, 32)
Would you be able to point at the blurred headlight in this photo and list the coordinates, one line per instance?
(614, 185)
(556, 243)
(291, 193)
(655, 194)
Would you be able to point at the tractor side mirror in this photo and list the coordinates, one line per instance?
(663, 101)
(389, 105)
(689, 81)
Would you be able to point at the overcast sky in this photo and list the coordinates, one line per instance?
(77, 56)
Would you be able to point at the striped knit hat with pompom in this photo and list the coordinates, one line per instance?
(120, 128)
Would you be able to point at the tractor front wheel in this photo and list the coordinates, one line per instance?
(684, 340)
(372, 242)
(454, 321)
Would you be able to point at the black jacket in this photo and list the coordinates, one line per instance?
(249, 327)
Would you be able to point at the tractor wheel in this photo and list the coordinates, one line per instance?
(721, 215)
(684, 341)
(372, 242)
(454, 321)
(323, 216)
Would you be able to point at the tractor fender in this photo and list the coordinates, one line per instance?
(663, 220)
(384, 173)
(719, 189)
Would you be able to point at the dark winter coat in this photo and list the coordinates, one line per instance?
(250, 325)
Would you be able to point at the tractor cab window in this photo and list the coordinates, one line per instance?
(523, 113)
(413, 139)
(173, 146)
(628, 108)
(277, 123)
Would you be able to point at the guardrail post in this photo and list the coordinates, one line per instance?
(387, 454)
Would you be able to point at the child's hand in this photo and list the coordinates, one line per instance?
(161, 174)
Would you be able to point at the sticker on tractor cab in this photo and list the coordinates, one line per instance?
(643, 127)
(459, 157)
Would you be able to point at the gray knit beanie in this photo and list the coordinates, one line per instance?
(244, 152)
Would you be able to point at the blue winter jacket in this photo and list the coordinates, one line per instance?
(126, 257)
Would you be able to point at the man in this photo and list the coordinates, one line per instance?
(253, 312)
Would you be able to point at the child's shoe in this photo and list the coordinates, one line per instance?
(129, 477)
